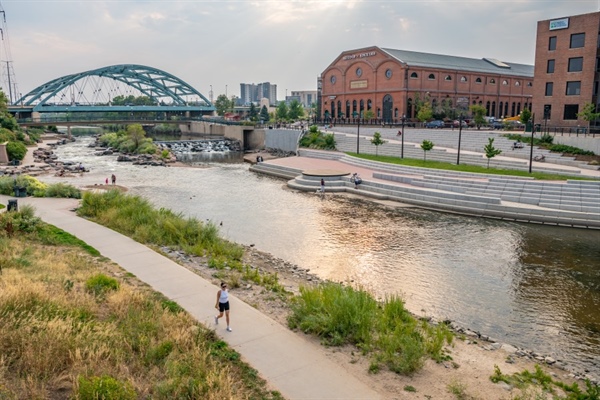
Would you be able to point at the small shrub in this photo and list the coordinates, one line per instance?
(63, 190)
(100, 284)
(16, 150)
(104, 388)
(410, 388)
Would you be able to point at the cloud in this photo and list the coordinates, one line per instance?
(288, 43)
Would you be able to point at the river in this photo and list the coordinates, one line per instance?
(533, 286)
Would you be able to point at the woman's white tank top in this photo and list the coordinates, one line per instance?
(224, 298)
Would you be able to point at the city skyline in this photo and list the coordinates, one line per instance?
(222, 44)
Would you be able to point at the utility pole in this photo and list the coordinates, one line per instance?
(9, 84)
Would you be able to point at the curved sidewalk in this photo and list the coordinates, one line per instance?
(289, 363)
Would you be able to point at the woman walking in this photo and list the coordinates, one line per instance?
(223, 305)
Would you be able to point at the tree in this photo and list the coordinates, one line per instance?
(589, 113)
(490, 150)
(377, 141)
(282, 111)
(525, 116)
(478, 114)
(421, 101)
(264, 114)
(252, 113)
(223, 105)
(295, 111)
(426, 146)
(136, 134)
(369, 115)
(425, 112)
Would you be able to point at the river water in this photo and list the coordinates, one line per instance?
(536, 287)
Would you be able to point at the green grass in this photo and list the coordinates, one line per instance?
(387, 331)
(541, 379)
(60, 340)
(413, 162)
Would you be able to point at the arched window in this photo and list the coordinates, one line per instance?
(517, 83)
(362, 106)
(506, 109)
(492, 81)
(354, 112)
(369, 104)
(463, 78)
(487, 109)
(493, 111)
(529, 84)
(409, 107)
(518, 108)
(505, 82)
(481, 103)
(478, 80)
(348, 115)
(414, 75)
(474, 102)
(339, 106)
(514, 107)
(395, 113)
(434, 104)
(500, 109)
(448, 78)
(378, 112)
(431, 76)
(333, 109)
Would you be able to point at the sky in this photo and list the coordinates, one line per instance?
(289, 43)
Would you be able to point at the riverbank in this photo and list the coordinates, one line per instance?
(473, 356)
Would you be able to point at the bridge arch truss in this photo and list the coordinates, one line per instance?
(100, 86)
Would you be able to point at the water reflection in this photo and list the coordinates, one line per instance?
(530, 285)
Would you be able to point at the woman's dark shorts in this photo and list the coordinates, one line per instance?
(224, 306)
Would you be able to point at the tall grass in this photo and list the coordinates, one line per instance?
(344, 315)
(134, 216)
(60, 340)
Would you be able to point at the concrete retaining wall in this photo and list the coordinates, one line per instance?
(586, 143)
(282, 139)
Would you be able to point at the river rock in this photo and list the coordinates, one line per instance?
(508, 348)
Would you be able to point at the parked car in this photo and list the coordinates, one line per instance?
(437, 124)
(497, 125)
(456, 123)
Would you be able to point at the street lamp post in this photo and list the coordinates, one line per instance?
(531, 144)
(462, 103)
(358, 137)
(402, 138)
(460, 119)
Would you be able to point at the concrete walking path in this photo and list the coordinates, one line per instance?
(289, 363)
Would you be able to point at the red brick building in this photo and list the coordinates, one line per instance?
(389, 82)
(566, 69)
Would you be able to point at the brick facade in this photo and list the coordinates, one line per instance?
(390, 87)
(563, 105)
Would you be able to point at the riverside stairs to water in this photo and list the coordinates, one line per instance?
(573, 203)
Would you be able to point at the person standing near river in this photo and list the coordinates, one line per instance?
(113, 179)
(223, 305)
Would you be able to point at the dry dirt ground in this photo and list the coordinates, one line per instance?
(466, 376)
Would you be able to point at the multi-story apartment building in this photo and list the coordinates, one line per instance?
(390, 82)
(566, 69)
(254, 93)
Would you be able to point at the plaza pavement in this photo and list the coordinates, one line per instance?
(292, 365)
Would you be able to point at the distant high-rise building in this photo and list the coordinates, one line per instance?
(253, 93)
